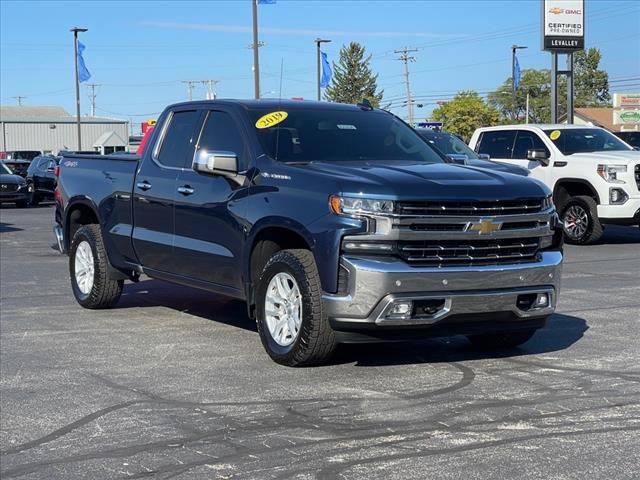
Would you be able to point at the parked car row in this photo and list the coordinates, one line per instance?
(37, 180)
(13, 188)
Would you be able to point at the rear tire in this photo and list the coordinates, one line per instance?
(289, 293)
(580, 221)
(89, 270)
(501, 340)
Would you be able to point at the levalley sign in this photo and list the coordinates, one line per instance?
(562, 25)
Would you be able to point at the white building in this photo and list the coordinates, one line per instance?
(51, 129)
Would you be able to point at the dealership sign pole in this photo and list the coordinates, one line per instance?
(562, 33)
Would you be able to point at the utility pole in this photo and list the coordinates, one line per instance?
(211, 94)
(255, 46)
(75, 31)
(19, 99)
(93, 96)
(404, 57)
(190, 84)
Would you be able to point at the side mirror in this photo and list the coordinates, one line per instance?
(216, 163)
(460, 159)
(637, 149)
(484, 156)
(538, 156)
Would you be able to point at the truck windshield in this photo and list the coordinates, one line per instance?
(584, 140)
(5, 170)
(339, 135)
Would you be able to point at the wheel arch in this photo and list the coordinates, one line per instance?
(264, 243)
(571, 187)
(80, 211)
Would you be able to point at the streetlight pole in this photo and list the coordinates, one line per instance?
(513, 72)
(318, 42)
(75, 31)
(256, 45)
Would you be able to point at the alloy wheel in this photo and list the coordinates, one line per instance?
(283, 309)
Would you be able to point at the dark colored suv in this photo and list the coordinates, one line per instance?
(41, 178)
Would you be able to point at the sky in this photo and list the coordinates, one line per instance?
(140, 52)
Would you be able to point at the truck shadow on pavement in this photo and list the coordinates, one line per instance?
(620, 235)
(560, 333)
(8, 227)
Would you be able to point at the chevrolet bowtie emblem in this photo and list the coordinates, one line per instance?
(483, 227)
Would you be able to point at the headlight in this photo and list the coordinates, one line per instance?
(547, 203)
(359, 206)
(610, 172)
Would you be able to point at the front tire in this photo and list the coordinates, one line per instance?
(501, 340)
(580, 221)
(291, 320)
(89, 270)
(22, 203)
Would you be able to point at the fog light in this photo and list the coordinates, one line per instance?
(400, 309)
(617, 196)
(542, 301)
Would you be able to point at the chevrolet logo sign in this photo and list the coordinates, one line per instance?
(483, 227)
(556, 11)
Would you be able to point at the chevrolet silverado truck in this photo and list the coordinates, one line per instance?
(594, 176)
(334, 223)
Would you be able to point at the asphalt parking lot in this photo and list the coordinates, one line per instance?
(174, 383)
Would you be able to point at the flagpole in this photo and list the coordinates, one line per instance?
(75, 31)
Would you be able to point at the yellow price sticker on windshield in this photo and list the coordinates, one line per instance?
(271, 119)
(554, 135)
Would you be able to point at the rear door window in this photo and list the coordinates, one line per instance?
(497, 144)
(178, 142)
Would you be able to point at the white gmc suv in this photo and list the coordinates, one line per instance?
(594, 176)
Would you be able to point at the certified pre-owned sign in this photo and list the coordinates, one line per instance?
(563, 25)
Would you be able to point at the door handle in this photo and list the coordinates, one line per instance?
(186, 190)
(143, 185)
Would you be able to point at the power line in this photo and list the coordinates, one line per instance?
(405, 58)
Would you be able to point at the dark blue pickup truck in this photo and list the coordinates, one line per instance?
(335, 223)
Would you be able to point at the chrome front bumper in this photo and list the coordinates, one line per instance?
(374, 284)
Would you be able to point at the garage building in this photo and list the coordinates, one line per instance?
(51, 129)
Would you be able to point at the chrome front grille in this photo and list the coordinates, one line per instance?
(457, 253)
(460, 234)
(472, 208)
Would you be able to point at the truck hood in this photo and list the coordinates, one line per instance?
(421, 181)
(621, 157)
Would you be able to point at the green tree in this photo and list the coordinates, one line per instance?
(590, 83)
(466, 112)
(535, 82)
(591, 89)
(352, 78)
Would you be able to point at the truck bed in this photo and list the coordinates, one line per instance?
(110, 179)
